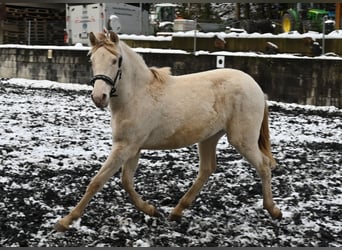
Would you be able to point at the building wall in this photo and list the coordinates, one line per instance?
(298, 80)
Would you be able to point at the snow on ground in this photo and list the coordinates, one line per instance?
(53, 140)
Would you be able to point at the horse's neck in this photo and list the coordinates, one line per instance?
(135, 73)
(134, 64)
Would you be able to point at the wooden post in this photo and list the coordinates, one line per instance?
(247, 10)
(237, 12)
(338, 15)
(1, 31)
(2, 17)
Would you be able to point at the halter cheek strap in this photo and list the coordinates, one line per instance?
(108, 80)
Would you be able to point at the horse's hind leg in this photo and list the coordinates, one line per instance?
(128, 171)
(246, 143)
(207, 154)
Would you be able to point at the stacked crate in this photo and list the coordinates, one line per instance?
(11, 25)
(29, 25)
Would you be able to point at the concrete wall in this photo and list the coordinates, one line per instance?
(64, 66)
(298, 80)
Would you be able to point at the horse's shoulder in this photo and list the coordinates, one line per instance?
(160, 75)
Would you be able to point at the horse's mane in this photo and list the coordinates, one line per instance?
(161, 74)
(104, 41)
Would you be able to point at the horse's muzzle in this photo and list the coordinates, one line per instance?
(100, 101)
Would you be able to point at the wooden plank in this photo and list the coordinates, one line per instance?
(37, 11)
(11, 27)
(338, 13)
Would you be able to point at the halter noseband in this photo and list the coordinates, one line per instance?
(109, 80)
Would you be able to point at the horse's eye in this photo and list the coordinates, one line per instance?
(114, 61)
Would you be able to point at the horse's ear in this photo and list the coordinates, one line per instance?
(114, 37)
(93, 39)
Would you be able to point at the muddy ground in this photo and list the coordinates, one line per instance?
(52, 141)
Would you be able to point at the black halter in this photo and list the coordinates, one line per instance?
(108, 80)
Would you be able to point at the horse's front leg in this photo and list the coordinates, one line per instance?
(128, 171)
(119, 154)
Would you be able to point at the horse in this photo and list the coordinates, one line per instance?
(154, 110)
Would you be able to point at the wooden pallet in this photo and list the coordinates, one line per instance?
(14, 38)
(42, 13)
(38, 11)
(10, 26)
(42, 20)
(10, 34)
(11, 10)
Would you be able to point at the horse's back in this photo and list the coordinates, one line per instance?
(230, 84)
(221, 76)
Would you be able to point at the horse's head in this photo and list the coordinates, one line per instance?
(106, 64)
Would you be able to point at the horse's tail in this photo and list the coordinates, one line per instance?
(264, 138)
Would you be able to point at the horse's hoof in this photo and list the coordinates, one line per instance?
(276, 214)
(279, 216)
(175, 217)
(59, 227)
(151, 211)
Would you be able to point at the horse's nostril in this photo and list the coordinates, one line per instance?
(104, 97)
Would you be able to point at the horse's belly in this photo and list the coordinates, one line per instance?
(175, 141)
(181, 136)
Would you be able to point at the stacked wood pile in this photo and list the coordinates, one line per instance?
(31, 25)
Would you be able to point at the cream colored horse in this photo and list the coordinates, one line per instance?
(153, 110)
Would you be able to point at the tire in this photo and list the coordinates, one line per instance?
(288, 22)
(249, 26)
(168, 28)
(264, 26)
(307, 26)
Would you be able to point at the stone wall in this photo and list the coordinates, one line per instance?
(300, 80)
(64, 66)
